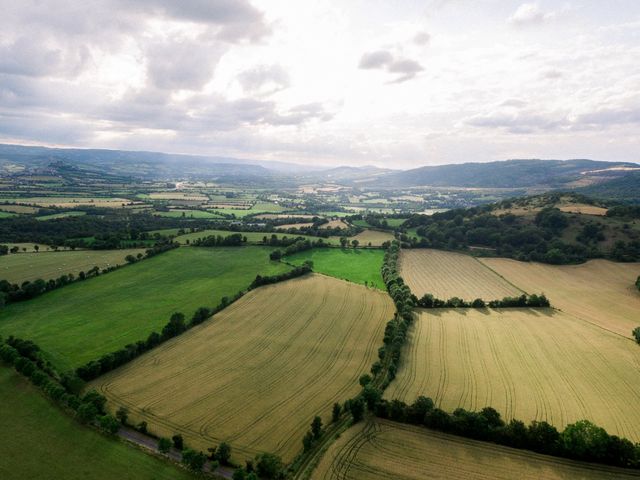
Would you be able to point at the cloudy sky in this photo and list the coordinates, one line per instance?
(390, 83)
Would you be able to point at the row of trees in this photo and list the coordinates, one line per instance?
(299, 245)
(113, 228)
(306, 267)
(233, 240)
(27, 359)
(523, 301)
(636, 334)
(580, 441)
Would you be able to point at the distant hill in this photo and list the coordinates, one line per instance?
(152, 165)
(508, 174)
(624, 189)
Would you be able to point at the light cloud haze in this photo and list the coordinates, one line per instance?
(394, 84)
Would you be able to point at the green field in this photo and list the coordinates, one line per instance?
(358, 266)
(6, 214)
(61, 215)
(187, 214)
(85, 320)
(18, 267)
(252, 237)
(40, 442)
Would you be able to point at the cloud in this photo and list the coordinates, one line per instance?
(406, 67)
(383, 59)
(264, 79)
(514, 121)
(374, 60)
(530, 13)
(238, 18)
(421, 38)
(182, 64)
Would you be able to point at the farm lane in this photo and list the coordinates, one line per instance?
(150, 443)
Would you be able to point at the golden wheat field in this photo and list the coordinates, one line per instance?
(381, 450)
(449, 274)
(583, 209)
(257, 373)
(598, 291)
(375, 237)
(528, 364)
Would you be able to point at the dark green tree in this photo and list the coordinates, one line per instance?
(109, 425)
(122, 414)
(268, 465)
(316, 427)
(164, 445)
(223, 453)
(335, 413)
(178, 442)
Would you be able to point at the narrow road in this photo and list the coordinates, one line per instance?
(150, 443)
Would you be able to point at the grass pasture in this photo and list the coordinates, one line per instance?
(85, 320)
(70, 202)
(528, 364)
(39, 442)
(598, 291)
(354, 265)
(17, 268)
(449, 274)
(17, 208)
(383, 450)
(55, 216)
(252, 237)
(257, 373)
(186, 213)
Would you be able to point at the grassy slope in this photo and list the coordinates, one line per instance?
(40, 442)
(83, 321)
(348, 264)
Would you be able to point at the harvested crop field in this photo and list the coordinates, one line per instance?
(374, 237)
(583, 209)
(257, 373)
(383, 450)
(528, 364)
(449, 274)
(598, 291)
(18, 267)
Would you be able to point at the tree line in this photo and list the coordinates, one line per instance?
(306, 267)
(233, 240)
(106, 231)
(581, 440)
(299, 245)
(522, 301)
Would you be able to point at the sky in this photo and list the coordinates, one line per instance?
(396, 84)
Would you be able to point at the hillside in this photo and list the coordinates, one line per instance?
(552, 228)
(624, 189)
(508, 174)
